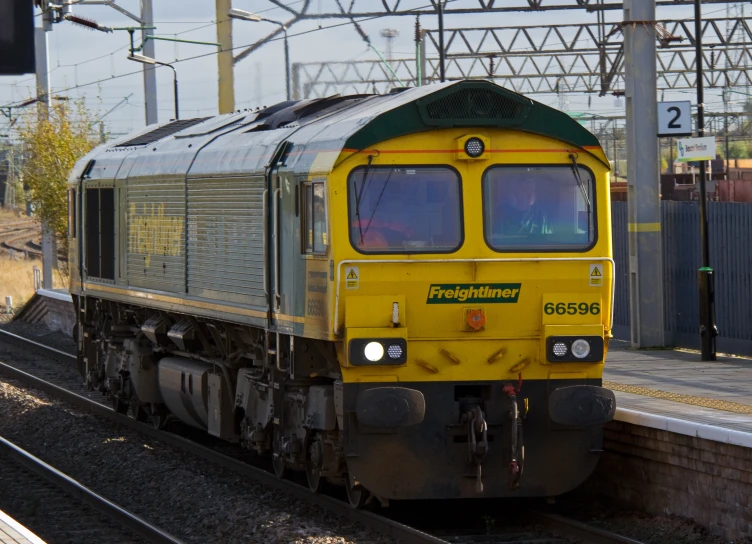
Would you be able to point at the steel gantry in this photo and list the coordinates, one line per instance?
(338, 9)
(373, 76)
(363, 9)
(586, 57)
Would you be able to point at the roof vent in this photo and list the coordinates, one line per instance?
(475, 106)
(162, 132)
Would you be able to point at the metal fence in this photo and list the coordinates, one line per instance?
(730, 238)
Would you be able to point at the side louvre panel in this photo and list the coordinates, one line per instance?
(156, 233)
(225, 239)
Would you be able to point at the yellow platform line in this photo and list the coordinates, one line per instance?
(705, 402)
(643, 227)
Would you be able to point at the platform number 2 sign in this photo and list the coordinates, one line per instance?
(674, 118)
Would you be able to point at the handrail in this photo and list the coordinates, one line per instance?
(276, 247)
(264, 238)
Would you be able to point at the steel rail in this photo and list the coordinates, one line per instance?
(385, 526)
(17, 225)
(11, 243)
(47, 351)
(571, 527)
(85, 495)
(380, 524)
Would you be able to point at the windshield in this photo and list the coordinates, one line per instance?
(538, 208)
(413, 209)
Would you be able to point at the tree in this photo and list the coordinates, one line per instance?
(52, 145)
(737, 149)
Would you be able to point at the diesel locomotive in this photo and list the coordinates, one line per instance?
(408, 295)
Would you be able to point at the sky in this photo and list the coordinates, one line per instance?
(93, 65)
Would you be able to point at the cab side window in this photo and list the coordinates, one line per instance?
(313, 218)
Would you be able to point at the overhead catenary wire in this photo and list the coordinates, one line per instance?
(113, 76)
(212, 53)
(419, 9)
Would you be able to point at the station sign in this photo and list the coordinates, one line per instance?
(675, 118)
(695, 149)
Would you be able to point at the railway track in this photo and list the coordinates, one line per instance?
(23, 236)
(16, 237)
(59, 509)
(537, 527)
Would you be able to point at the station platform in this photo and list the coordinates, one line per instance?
(675, 391)
(681, 440)
(12, 532)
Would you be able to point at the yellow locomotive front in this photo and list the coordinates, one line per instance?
(473, 293)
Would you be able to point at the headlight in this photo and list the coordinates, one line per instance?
(474, 147)
(580, 348)
(374, 351)
(377, 351)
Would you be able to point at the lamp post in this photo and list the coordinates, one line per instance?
(148, 60)
(255, 18)
(705, 275)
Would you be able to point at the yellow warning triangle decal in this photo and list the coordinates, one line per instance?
(352, 275)
(596, 272)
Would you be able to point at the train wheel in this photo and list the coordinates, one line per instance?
(316, 482)
(278, 464)
(356, 494)
(119, 405)
(278, 461)
(314, 456)
(158, 416)
(138, 412)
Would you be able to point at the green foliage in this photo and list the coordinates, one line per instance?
(51, 148)
(737, 150)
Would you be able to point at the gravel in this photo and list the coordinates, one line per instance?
(670, 529)
(52, 514)
(40, 333)
(192, 499)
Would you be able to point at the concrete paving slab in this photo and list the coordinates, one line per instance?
(679, 387)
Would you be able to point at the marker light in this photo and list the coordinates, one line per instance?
(560, 349)
(394, 351)
(374, 351)
(474, 147)
(580, 348)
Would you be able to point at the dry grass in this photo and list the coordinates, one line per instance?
(10, 216)
(17, 275)
(17, 280)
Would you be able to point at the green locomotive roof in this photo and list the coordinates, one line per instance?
(472, 104)
(317, 131)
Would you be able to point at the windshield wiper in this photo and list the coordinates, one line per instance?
(359, 196)
(370, 219)
(576, 172)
